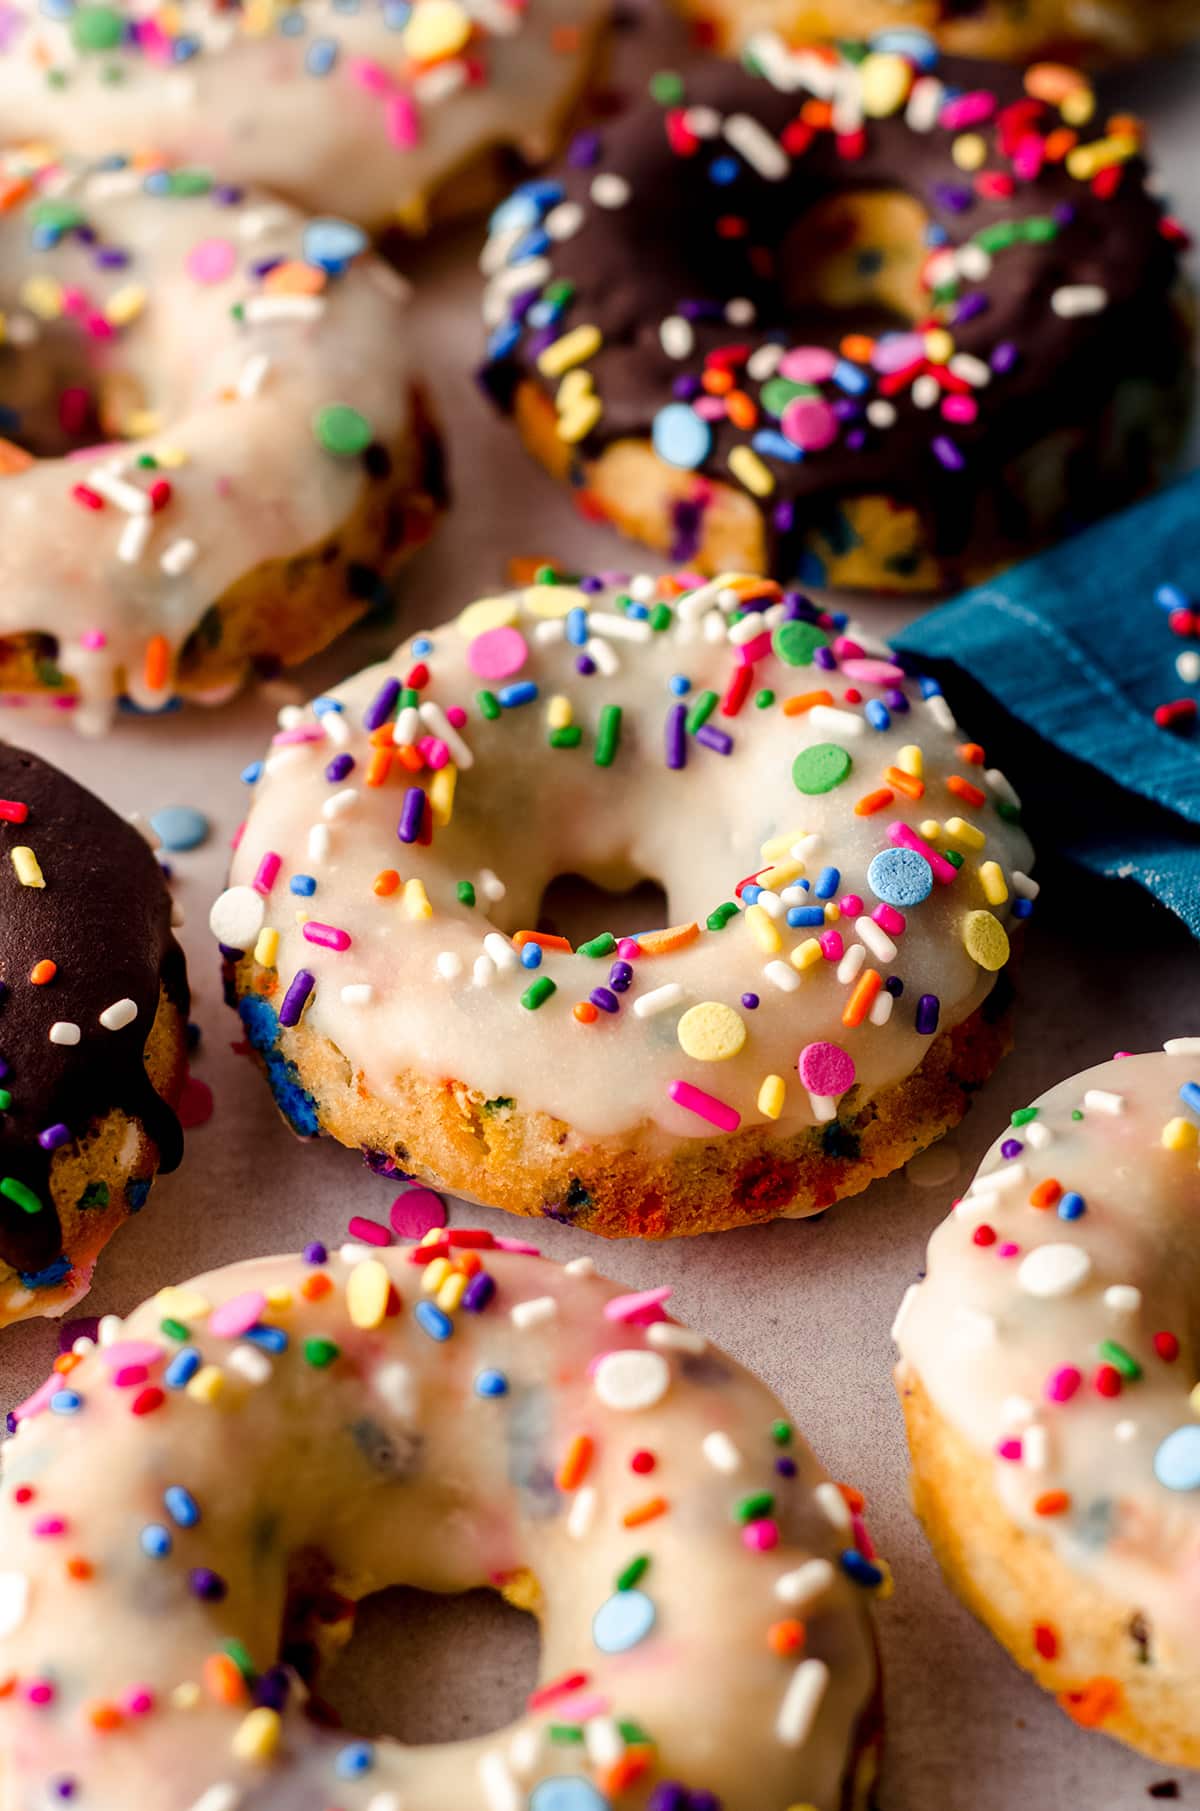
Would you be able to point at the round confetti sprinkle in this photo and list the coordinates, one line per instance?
(681, 437)
(342, 430)
(631, 1380)
(796, 642)
(568, 1792)
(1053, 1270)
(237, 917)
(623, 1621)
(711, 1032)
(985, 940)
(180, 827)
(900, 877)
(1177, 1461)
(810, 423)
(497, 653)
(820, 768)
(96, 28)
(826, 1069)
(212, 260)
(417, 1212)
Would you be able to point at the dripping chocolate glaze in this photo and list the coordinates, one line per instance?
(104, 918)
(632, 266)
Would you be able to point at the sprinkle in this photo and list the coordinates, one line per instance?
(706, 1106)
(801, 1703)
(28, 869)
(631, 1380)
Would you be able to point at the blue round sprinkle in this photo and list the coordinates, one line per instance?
(531, 955)
(1177, 1461)
(180, 827)
(350, 1763)
(156, 1541)
(908, 41)
(252, 774)
(1072, 1206)
(723, 170)
(491, 1383)
(858, 1567)
(570, 1793)
(332, 243)
(623, 1621)
(66, 1402)
(679, 684)
(680, 436)
(900, 877)
(304, 884)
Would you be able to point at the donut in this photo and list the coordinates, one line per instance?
(291, 1434)
(93, 1025)
(1048, 1376)
(214, 451)
(1019, 29)
(839, 868)
(855, 319)
(384, 113)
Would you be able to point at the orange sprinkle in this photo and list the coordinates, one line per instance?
(863, 998)
(66, 1361)
(972, 753)
(576, 1461)
(1059, 143)
(12, 190)
(818, 114)
(44, 971)
(315, 1286)
(295, 278)
(853, 1498)
(80, 1568)
(222, 1679)
(857, 347)
(717, 381)
(907, 783)
(675, 937)
(469, 1263)
(649, 1511)
(786, 1638)
(384, 736)
(13, 458)
(873, 802)
(104, 1717)
(804, 701)
(410, 757)
(740, 409)
(1052, 1502)
(633, 1765)
(543, 939)
(1093, 1702)
(386, 882)
(963, 789)
(379, 766)
(1046, 1193)
(584, 1012)
(156, 668)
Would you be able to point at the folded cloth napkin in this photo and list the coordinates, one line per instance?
(1060, 665)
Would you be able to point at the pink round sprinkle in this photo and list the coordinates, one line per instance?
(211, 260)
(1009, 1449)
(1007, 1250)
(959, 408)
(498, 653)
(417, 1212)
(137, 1701)
(889, 919)
(1062, 1384)
(826, 1069)
(92, 639)
(851, 904)
(237, 1316)
(40, 1691)
(402, 121)
(760, 1537)
(628, 948)
(125, 1376)
(873, 672)
(369, 1231)
(456, 716)
(48, 1526)
(810, 423)
(832, 947)
(369, 75)
(808, 365)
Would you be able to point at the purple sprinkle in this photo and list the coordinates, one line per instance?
(1004, 357)
(715, 739)
(111, 257)
(1065, 213)
(585, 664)
(856, 440)
(207, 1585)
(478, 1292)
(584, 150)
(826, 659)
(676, 736)
(686, 388)
(271, 1690)
(783, 517)
(53, 1136)
(953, 197)
(591, 585)
(226, 195)
(928, 1008)
(315, 1252)
(411, 815)
(1012, 1147)
(668, 1795)
(894, 986)
(339, 767)
(970, 307)
(701, 311)
(947, 454)
(750, 1002)
(382, 705)
(785, 1467)
(895, 699)
(296, 995)
(605, 999)
(619, 977)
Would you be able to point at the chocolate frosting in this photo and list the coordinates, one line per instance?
(663, 254)
(103, 918)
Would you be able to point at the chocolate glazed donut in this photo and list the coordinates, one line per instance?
(1034, 384)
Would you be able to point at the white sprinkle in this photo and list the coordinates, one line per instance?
(721, 1452)
(14, 1601)
(500, 1789)
(565, 220)
(225, 1797)
(252, 376)
(1001, 1181)
(1017, 1411)
(501, 951)
(1125, 1431)
(1037, 1135)
(926, 391)
(357, 993)
(924, 104)
(319, 843)
(1002, 786)
(801, 1702)
(582, 1513)
(119, 1014)
(646, 1006)
(110, 1329)
(603, 1741)
(824, 1108)
(703, 122)
(1122, 1298)
(781, 975)
(751, 140)
(408, 727)
(631, 1380)
(580, 1267)
(1187, 665)
(1054, 1270)
(339, 803)
(850, 964)
(1182, 1046)
(876, 939)
(806, 1583)
(283, 308)
(1076, 299)
(669, 1336)
(676, 336)
(771, 903)
(534, 1313)
(833, 1506)
(619, 628)
(385, 1801)
(603, 655)
(449, 965)
(131, 543)
(1099, 1100)
(396, 1383)
(490, 886)
(740, 312)
(63, 1031)
(642, 587)
(941, 713)
(525, 1751)
(250, 1363)
(975, 265)
(748, 629)
(178, 557)
(972, 370)
(826, 720)
(881, 413)
(436, 719)
(119, 492)
(483, 971)
(609, 190)
(1035, 1447)
(881, 1007)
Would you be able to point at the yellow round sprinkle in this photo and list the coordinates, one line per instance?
(939, 345)
(1078, 106)
(125, 304)
(764, 930)
(805, 954)
(367, 1290)
(185, 1696)
(279, 1297)
(985, 940)
(711, 1032)
(552, 600)
(267, 947)
(28, 868)
(833, 911)
(969, 151)
(1179, 1135)
(746, 466)
(885, 82)
(911, 760)
(771, 1096)
(436, 29)
(930, 829)
(991, 878)
(43, 297)
(180, 1304)
(571, 349)
(256, 1737)
(488, 613)
(962, 832)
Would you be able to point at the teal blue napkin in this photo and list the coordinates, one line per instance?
(1064, 660)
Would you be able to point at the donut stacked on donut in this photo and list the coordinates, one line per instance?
(312, 1430)
(93, 1021)
(685, 318)
(839, 864)
(1049, 1382)
(377, 111)
(214, 452)
(1018, 29)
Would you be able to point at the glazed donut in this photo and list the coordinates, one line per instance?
(838, 866)
(1048, 1375)
(266, 457)
(684, 319)
(380, 112)
(93, 1023)
(1017, 29)
(307, 1431)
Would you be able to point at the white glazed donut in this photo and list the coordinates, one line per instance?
(454, 1416)
(1049, 1381)
(365, 109)
(839, 863)
(234, 452)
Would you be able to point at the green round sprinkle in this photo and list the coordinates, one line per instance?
(635, 1570)
(778, 392)
(764, 701)
(820, 768)
(1077, 1113)
(603, 945)
(701, 711)
(954, 858)
(341, 430)
(96, 28)
(466, 893)
(667, 88)
(1120, 1359)
(24, 1197)
(754, 1508)
(781, 1433)
(191, 182)
(608, 735)
(173, 1329)
(537, 993)
(546, 575)
(796, 643)
(1008, 811)
(320, 1353)
(660, 618)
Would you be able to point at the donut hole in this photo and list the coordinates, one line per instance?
(859, 251)
(426, 1668)
(61, 391)
(578, 908)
